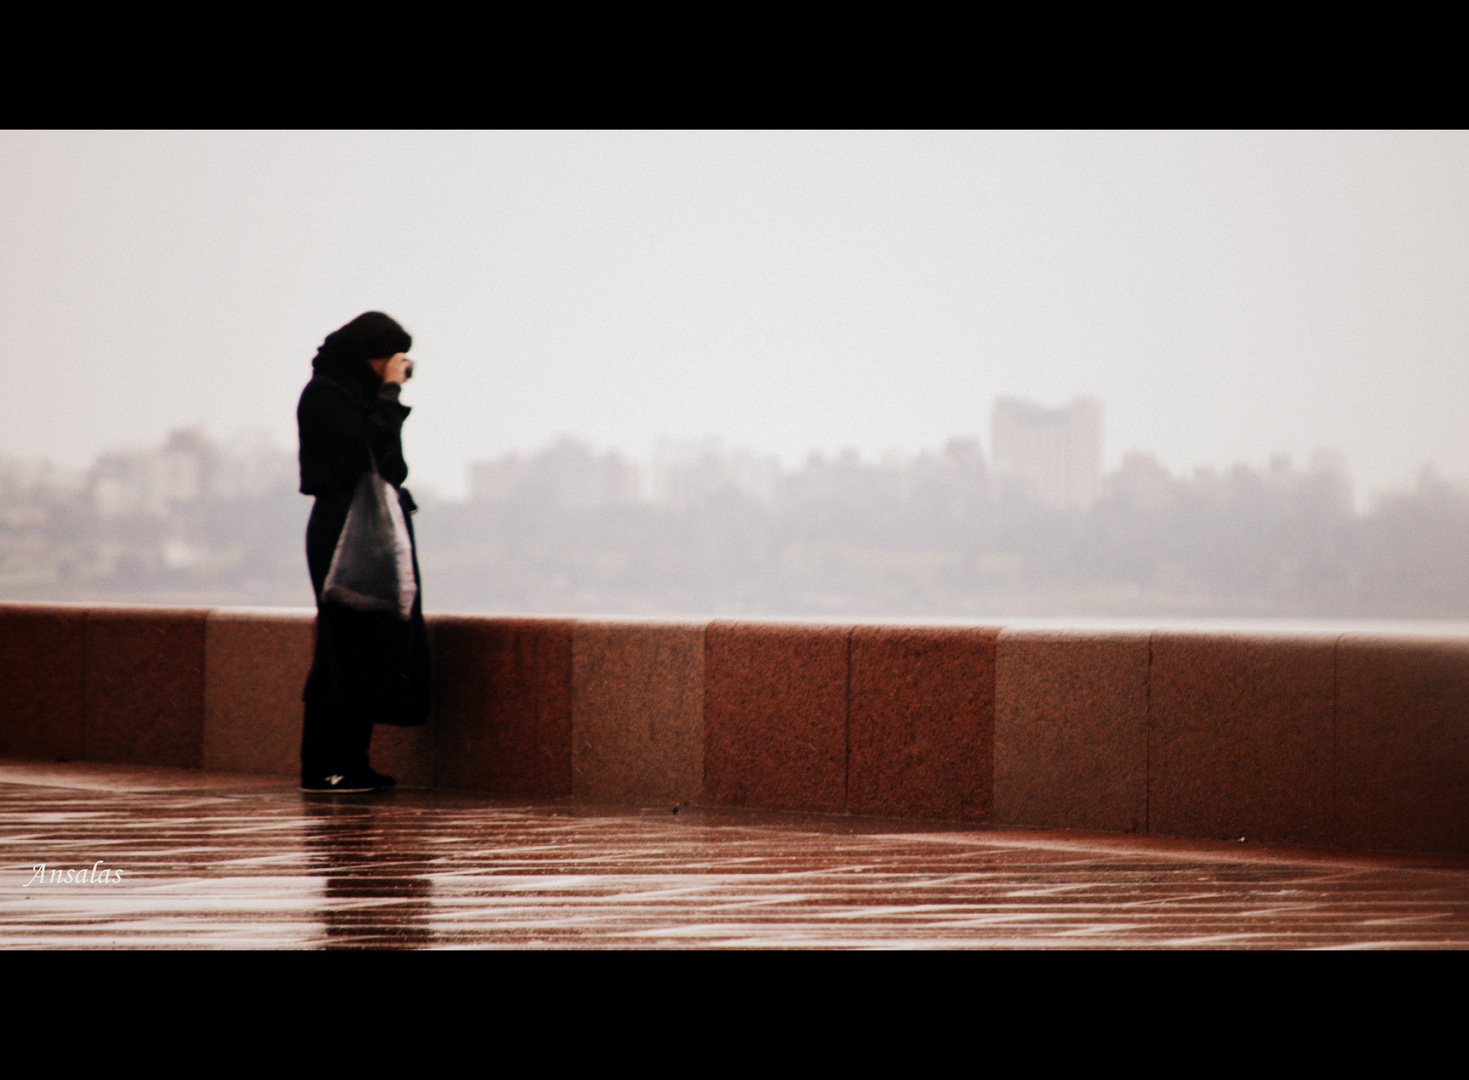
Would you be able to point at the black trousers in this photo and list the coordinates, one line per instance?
(370, 667)
(333, 742)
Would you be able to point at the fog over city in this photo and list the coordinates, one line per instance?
(1032, 530)
(960, 375)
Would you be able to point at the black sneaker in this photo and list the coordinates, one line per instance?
(340, 783)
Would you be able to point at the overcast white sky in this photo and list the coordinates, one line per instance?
(1227, 295)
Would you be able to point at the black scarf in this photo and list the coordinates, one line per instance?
(346, 366)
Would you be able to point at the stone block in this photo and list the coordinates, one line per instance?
(1402, 745)
(638, 711)
(1240, 740)
(255, 664)
(405, 753)
(1071, 730)
(775, 715)
(922, 722)
(502, 713)
(145, 686)
(42, 681)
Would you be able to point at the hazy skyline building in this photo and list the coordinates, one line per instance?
(568, 529)
(689, 472)
(567, 474)
(1054, 454)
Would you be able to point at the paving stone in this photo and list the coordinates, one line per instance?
(223, 861)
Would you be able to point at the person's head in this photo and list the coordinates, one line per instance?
(348, 353)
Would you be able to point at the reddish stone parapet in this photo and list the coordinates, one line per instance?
(145, 686)
(1330, 741)
(638, 712)
(921, 715)
(1402, 745)
(775, 716)
(1241, 737)
(255, 664)
(502, 712)
(43, 665)
(1071, 730)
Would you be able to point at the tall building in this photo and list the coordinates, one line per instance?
(1055, 455)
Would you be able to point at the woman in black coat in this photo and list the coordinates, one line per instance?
(370, 667)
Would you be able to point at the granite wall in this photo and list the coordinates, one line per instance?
(1330, 741)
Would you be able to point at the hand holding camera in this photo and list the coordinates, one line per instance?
(395, 369)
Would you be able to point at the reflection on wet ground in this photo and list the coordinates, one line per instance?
(214, 861)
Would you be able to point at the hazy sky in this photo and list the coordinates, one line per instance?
(1227, 295)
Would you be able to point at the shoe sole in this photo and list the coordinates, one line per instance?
(337, 790)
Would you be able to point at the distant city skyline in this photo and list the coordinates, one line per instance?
(1231, 296)
(1050, 452)
(703, 528)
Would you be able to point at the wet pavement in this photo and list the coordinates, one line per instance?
(213, 861)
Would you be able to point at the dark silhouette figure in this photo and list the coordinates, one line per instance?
(370, 667)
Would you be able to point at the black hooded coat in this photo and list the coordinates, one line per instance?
(369, 666)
